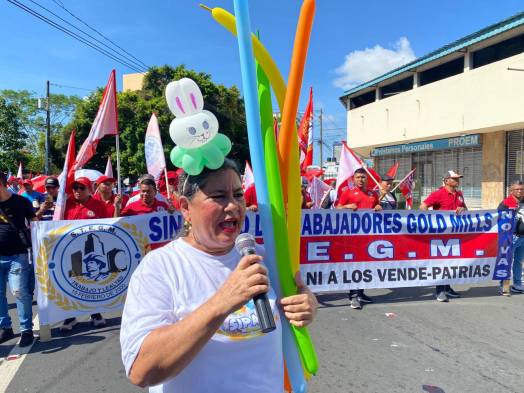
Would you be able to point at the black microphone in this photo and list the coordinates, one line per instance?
(245, 245)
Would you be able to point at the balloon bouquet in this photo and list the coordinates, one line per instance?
(275, 166)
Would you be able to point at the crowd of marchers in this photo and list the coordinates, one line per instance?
(20, 204)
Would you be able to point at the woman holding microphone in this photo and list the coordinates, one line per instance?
(189, 323)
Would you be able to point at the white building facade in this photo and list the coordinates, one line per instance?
(460, 107)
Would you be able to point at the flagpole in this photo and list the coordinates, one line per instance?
(167, 184)
(370, 175)
(402, 181)
(118, 187)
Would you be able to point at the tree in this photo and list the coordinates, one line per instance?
(12, 137)
(135, 109)
(33, 123)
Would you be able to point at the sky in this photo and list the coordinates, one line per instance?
(351, 42)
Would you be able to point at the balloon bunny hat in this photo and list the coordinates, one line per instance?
(194, 130)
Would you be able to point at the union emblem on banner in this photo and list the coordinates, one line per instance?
(87, 267)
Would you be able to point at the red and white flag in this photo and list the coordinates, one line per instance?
(392, 172)
(154, 151)
(317, 190)
(305, 135)
(248, 178)
(105, 123)
(406, 186)
(65, 179)
(20, 173)
(349, 163)
(109, 168)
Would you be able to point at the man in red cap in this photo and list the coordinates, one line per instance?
(104, 192)
(81, 207)
(32, 196)
(148, 203)
(359, 197)
(447, 197)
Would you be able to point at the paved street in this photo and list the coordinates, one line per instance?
(473, 344)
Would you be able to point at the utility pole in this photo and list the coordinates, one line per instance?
(48, 129)
(321, 141)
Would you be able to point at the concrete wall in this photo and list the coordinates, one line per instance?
(132, 82)
(481, 100)
(493, 169)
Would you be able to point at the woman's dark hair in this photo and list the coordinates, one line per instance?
(188, 185)
(3, 179)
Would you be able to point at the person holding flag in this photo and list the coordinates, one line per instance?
(359, 197)
(388, 200)
(104, 192)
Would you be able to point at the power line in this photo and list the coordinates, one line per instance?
(70, 87)
(61, 5)
(70, 33)
(90, 36)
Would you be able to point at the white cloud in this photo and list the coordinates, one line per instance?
(363, 65)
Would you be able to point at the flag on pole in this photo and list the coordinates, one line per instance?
(406, 186)
(109, 168)
(105, 123)
(248, 178)
(155, 160)
(65, 179)
(305, 135)
(392, 172)
(317, 190)
(20, 173)
(349, 163)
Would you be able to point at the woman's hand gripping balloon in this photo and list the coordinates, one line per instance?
(300, 309)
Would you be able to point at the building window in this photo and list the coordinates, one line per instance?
(396, 87)
(453, 67)
(363, 99)
(502, 50)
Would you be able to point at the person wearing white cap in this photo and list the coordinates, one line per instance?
(447, 197)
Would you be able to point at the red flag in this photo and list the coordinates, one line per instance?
(406, 187)
(39, 183)
(105, 123)
(305, 135)
(275, 127)
(248, 178)
(65, 179)
(392, 172)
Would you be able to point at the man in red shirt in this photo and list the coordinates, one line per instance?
(84, 207)
(447, 197)
(148, 203)
(359, 197)
(104, 192)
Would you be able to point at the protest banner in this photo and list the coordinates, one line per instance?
(84, 266)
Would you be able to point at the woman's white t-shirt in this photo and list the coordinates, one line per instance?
(170, 283)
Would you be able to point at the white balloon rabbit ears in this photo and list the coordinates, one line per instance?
(184, 97)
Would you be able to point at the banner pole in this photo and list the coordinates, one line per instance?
(118, 187)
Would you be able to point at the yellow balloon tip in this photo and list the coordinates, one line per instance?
(205, 7)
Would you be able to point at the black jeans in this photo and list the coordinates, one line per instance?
(441, 288)
(355, 292)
